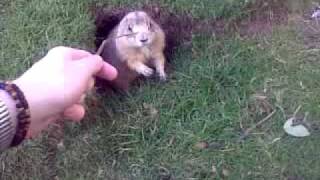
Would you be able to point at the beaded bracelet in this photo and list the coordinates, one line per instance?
(23, 112)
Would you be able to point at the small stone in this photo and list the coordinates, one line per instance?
(214, 170)
(61, 146)
(265, 4)
(297, 130)
(225, 172)
(316, 14)
(152, 110)
(202, 145)
(156, 10)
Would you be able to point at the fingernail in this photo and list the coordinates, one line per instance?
(108, 72)
(97, 56)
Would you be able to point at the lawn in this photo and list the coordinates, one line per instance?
(189, 127)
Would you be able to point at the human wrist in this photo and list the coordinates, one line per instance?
(22, 111)
(10, 103)
(42, 105)
(35, 101)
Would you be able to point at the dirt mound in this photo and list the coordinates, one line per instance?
(308, 30)
(263, 16)
(259, 18)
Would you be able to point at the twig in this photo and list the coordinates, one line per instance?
(249, 130)
(101, 47)
(296, 111)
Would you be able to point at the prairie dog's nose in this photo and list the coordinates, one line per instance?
(144, 38)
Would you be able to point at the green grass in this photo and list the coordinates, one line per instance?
(153, 132)
(33, 27)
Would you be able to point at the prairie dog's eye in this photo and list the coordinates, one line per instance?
(150, 26)
(130, 28)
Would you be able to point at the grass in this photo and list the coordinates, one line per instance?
(38, 26)
(152, 134)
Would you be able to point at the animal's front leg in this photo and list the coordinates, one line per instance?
(140, 68)
(159, 63)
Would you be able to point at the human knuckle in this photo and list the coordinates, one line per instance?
(57, 49)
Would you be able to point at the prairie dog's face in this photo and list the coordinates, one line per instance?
(140, 25)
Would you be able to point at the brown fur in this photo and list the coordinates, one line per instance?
(128, 59)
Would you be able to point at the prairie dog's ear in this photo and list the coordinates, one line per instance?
(153, 26)
(124, 25)
(126, 22)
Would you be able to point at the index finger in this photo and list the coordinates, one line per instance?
(94, 65)
(69, 53)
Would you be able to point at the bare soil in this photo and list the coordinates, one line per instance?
(179, 27)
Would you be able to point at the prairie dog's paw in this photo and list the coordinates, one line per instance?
(163, 76)
(144, 70)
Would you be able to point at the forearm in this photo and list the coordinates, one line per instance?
(8, 121)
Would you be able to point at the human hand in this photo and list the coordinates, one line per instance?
(55, 85)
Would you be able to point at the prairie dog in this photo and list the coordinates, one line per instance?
(134, 46)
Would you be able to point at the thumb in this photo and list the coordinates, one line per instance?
(94, 65)
(75, 112)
